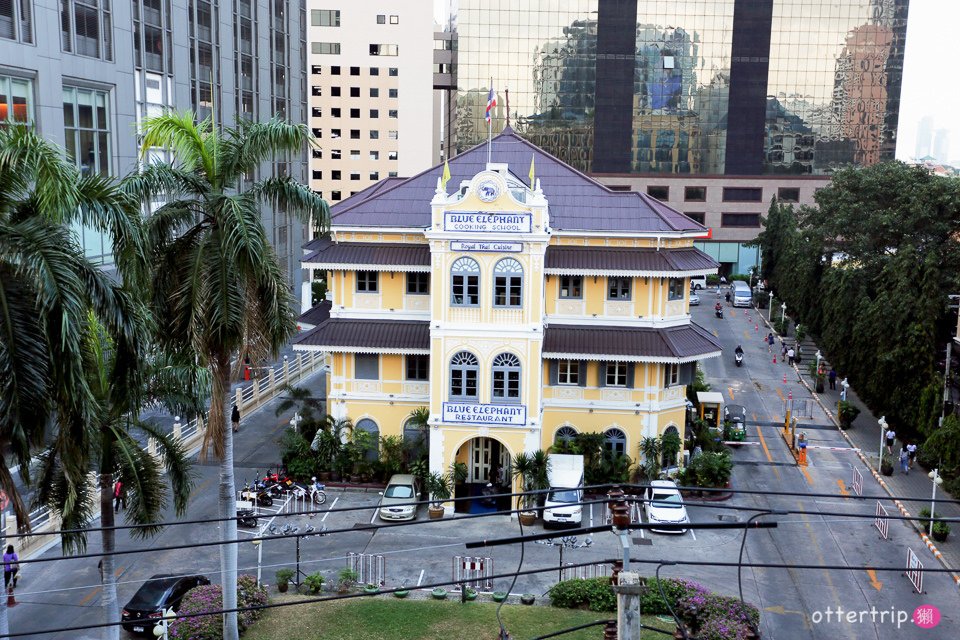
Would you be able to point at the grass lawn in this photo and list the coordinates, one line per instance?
(385, 618)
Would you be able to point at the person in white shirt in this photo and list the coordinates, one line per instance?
(912, 453)
(891, 435)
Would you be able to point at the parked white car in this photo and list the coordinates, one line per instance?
(694, 299)
(664, 505)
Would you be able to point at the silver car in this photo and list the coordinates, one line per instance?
(694, 299)
(401, 490)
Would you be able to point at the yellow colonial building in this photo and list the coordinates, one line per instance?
(517, 315)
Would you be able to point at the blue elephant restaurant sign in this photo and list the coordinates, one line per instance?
(472, 413)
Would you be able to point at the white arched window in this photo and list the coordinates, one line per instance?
(464, 372)
(565, 433)
(508, 283)
(615, 441)
(506, 378)
(465, 283)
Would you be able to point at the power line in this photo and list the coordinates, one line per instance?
(801, 494)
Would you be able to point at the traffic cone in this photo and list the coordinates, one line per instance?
(246, 372)
(774, 358)
(784, 378)
(756, 328)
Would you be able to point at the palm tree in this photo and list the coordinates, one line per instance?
(48, 289)
(108, 445)
(217, 287)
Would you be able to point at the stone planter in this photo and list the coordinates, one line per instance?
(940, 536)
(499, 596)
(435, 512)
(439, 594)
(403, 593)
(528, 598)
(527, 518)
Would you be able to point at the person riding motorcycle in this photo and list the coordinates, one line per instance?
(738, 351)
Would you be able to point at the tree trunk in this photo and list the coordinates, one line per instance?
(111, 611)
(227, 498)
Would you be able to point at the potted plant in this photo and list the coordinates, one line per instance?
(441, 488)
(470, 594)
(499, 596)
(940, 531)
(371, 588)
(401, 593)
(886, 467)
(283, 579)
(314, 583)
(846, 414)
(439, 593)
(346, 579)
(527, 598)
(522, 468)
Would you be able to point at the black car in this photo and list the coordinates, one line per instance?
(156, 595)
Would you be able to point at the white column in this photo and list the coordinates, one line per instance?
(306, 295)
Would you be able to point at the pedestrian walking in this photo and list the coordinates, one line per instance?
(912, 453)
(891, 435)
(119, 496)
(11, 568)
(904, 461)
(770, 341)
(783, 351)
(832, 377)
(235, 418)
(791, 354)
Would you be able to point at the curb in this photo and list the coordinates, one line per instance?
(903, 511)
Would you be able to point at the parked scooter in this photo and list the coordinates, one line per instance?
(718, 310)
(257, 492)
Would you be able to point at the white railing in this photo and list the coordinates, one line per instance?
(248, 399)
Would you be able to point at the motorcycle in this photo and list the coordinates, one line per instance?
(738, 358)
(718, 311)
(257, 492)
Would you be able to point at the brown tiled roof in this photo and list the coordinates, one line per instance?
(577, 201)
(351, 335)
(630, 344)
(628, 260)
(415, 257)
(316, 315)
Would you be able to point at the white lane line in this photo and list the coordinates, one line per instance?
(693, 534)
(332, 505)
(270, 521)
(374, 516)
(420, 579)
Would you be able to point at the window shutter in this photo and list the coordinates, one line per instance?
(602, 374)
(631, 367)
(583, 373)
(687, 372)
(553, 371)
(666, 376)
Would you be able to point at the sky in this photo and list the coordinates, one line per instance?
(930, 86)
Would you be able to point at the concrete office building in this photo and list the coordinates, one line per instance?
(372, 106)
(719, 95)
(86, 73)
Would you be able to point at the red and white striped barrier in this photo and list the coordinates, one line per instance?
(858, 482)
(914, 570)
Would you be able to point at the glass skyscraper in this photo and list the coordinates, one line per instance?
(735, 87)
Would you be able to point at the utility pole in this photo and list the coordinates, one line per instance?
(946, 384)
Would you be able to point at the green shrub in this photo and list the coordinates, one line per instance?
(296, 455)
(709, 469)
(595, 594)
(713, 279)
(314, 582)
(744, 277)
(675, 590)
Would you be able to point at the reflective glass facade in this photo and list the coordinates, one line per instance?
(740, 87)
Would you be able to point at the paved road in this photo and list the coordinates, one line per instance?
(791, 598)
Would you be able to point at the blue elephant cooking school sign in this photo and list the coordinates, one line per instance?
(487, 222)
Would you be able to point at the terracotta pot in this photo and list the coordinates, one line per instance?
(282, 587)
(435, 513)
(527, 518)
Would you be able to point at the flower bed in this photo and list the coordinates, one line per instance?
(210, 598)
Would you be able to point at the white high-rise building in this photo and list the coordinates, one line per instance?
(373, 110)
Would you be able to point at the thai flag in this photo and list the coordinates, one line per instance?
(491, 103)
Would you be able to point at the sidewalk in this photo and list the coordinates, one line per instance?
(865, 435)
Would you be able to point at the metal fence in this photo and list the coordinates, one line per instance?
(474, 571)
(584, 572)
(370, 568)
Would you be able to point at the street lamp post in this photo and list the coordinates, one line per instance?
(819, 358)
(935, 477)
(783, 313)
(770, 308)
(883, 430)
(844, 385)
(258, 543)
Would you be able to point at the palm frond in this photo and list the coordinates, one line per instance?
(296, 199)
(249, 144)
(28, 161)
(188, 139)
(174, 461)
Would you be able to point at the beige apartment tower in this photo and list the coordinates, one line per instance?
(373, 111)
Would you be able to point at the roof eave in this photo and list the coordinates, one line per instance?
(602, 357)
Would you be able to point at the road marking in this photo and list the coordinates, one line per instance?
(816, 548)
(374, 516)
(746, 334)
(778, 609)
(730, 391)
(93, 592)
(693, 534)
(763, 443)
(715, 334)
(876, 584)
(843, 487)
(420, 579)
(780, 393)
(332, 505)
(806, 474)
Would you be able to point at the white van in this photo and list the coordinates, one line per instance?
(563, 504)
(698, 282)
(742, 296)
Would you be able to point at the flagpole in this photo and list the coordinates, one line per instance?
(490, 129)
